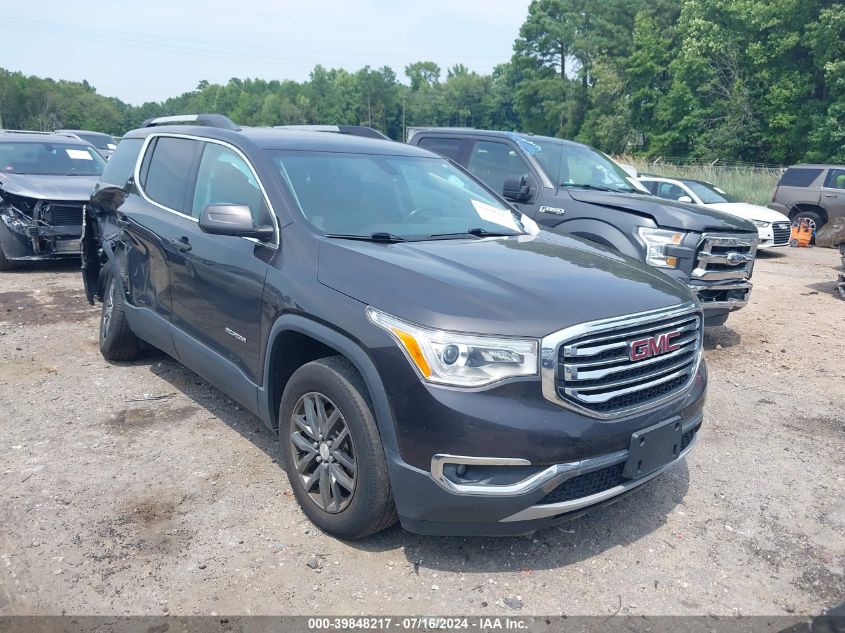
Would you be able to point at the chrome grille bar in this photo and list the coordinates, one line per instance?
(580, 371)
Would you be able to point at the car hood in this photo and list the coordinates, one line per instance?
(75, 188)
(749, 211)
(666, 213)
(529, 285)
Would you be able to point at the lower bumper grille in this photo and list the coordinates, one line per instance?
(781, 232)
(598, 480)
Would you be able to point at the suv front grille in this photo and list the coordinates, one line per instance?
(64, 214)
(781, 231)
(721, 256)
(615, 367)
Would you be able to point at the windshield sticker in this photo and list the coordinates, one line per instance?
(528, 146)
(490, 213)
(79, 154)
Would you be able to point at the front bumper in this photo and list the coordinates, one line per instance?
(722, 297)
(511, 486)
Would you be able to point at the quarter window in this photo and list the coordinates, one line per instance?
(225, 178)
(798, 177)
(168, 177)
(493, 162)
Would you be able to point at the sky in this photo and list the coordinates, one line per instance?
(154, 49)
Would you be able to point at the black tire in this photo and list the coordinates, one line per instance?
(117, 341)
(6, 264)
(369, 507)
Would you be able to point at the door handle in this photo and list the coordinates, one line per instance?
(831, 195)
(182, 244)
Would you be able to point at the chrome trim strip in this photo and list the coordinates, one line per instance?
(589, 350)
(572, 371)
(578, 392)
(550, 349)
(719, 275)
(553, 509)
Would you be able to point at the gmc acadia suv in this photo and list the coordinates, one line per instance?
(424, 351)
(577, 190)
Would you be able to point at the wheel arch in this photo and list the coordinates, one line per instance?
(806, 206)
(295, 340)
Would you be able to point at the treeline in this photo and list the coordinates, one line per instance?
(747, 80)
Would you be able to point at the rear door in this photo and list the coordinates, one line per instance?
(218, 280)
(833, 193)
(152, 217)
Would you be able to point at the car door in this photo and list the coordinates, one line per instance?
(833, 193)
(218, 280)
(445, 146)
(493, 161)
(151, 218)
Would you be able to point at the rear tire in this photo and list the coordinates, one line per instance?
(117, 341)
(330, 443)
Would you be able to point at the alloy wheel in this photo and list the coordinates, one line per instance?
(323, 452)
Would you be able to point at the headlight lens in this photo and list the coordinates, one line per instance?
(656, 241)
(761, 223)
(461, 360)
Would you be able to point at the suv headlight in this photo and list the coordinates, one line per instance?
(761, 223)
(656, 241)
(461, 360)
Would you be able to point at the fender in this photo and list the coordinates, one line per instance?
(601, 232)
(352, 351)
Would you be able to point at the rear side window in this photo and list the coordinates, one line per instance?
(448, 147)
(798, 177)
(168, 177)
(835, 179)
(121, 165)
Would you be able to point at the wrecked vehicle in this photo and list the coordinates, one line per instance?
(423, 350)
(45, 181)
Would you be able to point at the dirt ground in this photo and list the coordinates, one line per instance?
(138, 488)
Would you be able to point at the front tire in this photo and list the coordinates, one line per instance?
(117, 341)
(332, 451)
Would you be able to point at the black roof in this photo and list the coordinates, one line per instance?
(290, 139)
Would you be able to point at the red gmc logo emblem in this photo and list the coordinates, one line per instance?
(653, 346)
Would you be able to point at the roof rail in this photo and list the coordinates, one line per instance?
(26, 132)
(352, 130)
(207, 120)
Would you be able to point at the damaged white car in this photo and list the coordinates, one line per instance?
(45, 181)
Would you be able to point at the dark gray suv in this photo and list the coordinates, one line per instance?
(423, 350)
(811, 193)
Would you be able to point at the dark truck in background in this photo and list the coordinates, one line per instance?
(572, 188)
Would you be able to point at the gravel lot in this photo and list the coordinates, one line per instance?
(138, 488)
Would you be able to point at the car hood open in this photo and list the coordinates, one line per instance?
(65, 188)
(666, 213)
(514, 286)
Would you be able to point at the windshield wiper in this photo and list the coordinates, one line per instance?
(476, 232)
(595, 187)
(387, 238)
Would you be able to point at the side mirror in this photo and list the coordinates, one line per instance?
(517, 189)
(232, 219)
(684, 199)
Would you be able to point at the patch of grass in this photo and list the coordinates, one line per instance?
(748, 183)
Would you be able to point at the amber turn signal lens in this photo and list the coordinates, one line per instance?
(414, 351)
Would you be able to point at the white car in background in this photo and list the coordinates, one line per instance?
(772, 226)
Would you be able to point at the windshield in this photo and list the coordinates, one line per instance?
(576, 166)
(404, 197)
(50, 159)
(708, 193)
